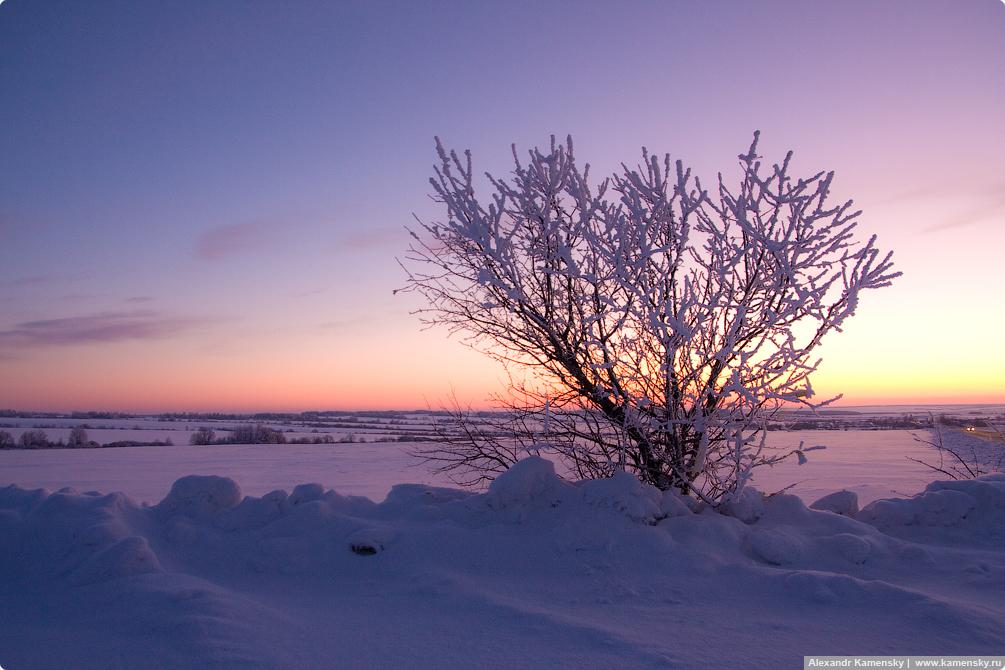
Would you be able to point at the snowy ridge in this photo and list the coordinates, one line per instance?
(536, 572)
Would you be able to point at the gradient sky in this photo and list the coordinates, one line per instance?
(201, 203)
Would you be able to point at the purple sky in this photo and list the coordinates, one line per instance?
(202, 202)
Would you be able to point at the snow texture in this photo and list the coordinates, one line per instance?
(535, 572)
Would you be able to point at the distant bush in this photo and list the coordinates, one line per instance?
(202, 436)
(959, 423)
(78, 438)
(6, 440)
(34, 439)
(100, 415)
(256, 434)
(135, 443)
(317, 439)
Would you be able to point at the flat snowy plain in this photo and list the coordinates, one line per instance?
(223, 570)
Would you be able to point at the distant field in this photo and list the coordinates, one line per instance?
(874, 464)
(365, 454)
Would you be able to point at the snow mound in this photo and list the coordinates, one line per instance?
(946, 512)
(369, 541)
(851, 547)
(842, 502)
(305, 493)
(403, 496)
(535, 572)
(128, 557)
(673, 504)
(254, 512)
(747, 505)
(625, 494)
(530, 484)
(198, 495)
(776, 546)
(791, 535)
(531, 487)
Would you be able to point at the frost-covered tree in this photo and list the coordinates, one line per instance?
(34, 439)
(77, 438)
(256, 434)
(661, 324)
(202, 436)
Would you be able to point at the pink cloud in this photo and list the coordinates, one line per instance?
(225, 241)
(991, 208)
(110, 327)
(371, 239)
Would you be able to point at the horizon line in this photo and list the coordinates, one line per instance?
(18, 413)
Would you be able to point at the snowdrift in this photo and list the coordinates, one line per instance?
(536, 572)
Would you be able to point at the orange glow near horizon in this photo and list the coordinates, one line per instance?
(401, 383)
(248, 403)
(405, 368)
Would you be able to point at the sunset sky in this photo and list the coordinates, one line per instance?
(202, 203)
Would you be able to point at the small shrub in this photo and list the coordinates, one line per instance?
(256, 434)
(78, 438)
(34, 439)
(202, 436)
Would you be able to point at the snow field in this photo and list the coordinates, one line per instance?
(535, 572)
(872, 464)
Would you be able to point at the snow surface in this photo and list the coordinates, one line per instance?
(536, 572)
(873, 464)
(147, 473)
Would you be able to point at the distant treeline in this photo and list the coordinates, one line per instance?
(904, 422)
(243, 434)
(247, 433)
(15, 414)
(262, 434)
(37, 439)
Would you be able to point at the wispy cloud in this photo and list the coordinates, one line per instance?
(372, 239)
(54, 278)
(311, 292)
(975, 203)
(108, 327)
(225, 241)
(992, 207)
(348, 324)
